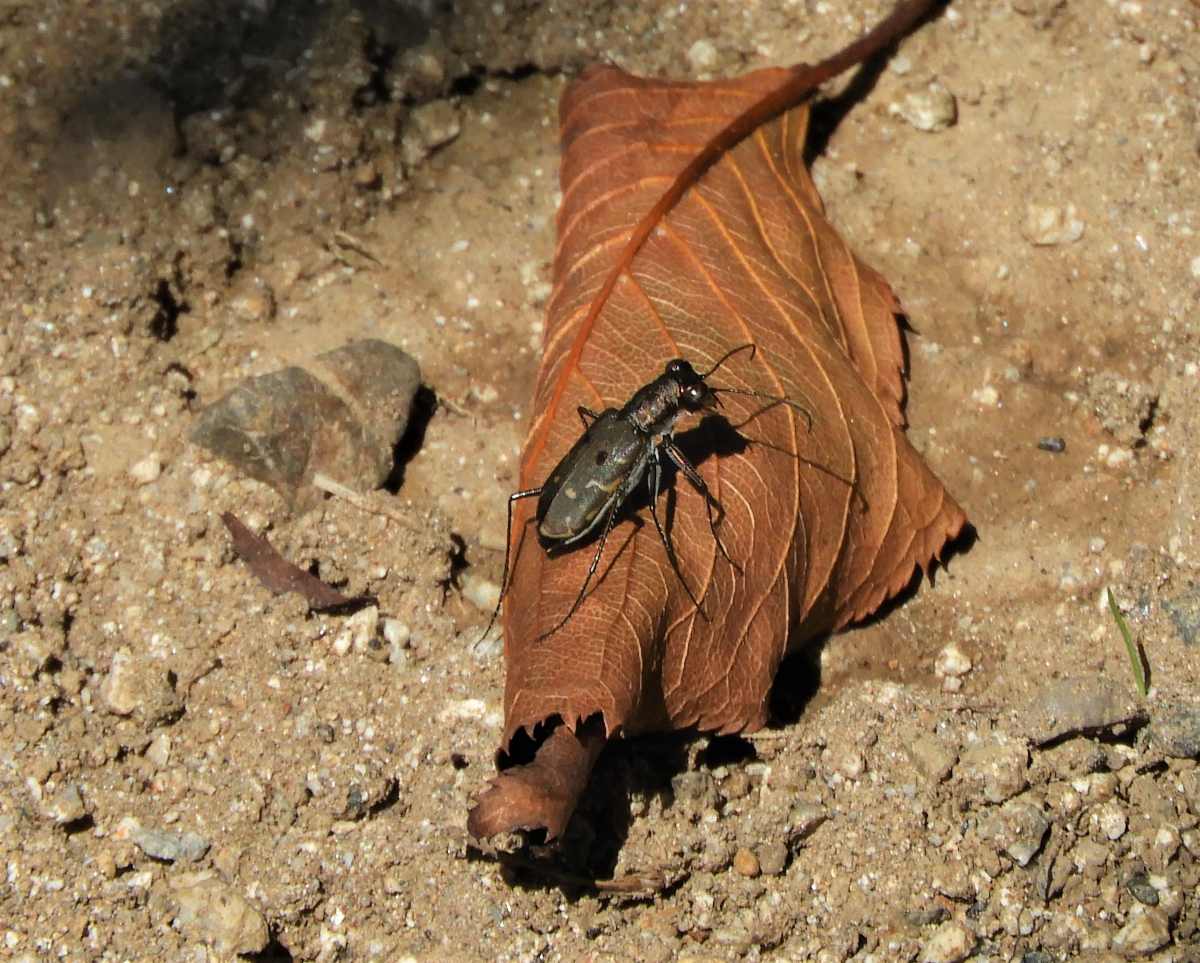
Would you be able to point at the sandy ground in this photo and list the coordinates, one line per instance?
(191, 767)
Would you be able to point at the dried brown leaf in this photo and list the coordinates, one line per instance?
(689, 226)
(276, 572)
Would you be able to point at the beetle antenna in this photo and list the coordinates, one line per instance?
(729, 354)
(772, 400)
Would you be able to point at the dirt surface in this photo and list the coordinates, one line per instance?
(191, 767)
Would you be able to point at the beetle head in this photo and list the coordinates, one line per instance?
(694, 393)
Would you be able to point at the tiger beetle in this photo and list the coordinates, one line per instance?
(619, 447)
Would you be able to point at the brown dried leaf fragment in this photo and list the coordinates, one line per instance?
(540, 794)
(276, 572)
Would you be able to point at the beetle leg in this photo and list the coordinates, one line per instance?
(689, 472)
(653, 480)
(514, 497)
(587, 416)
(608, 526)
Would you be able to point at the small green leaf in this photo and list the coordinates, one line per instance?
(1135, 657)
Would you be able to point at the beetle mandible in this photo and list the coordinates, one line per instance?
(620, 447)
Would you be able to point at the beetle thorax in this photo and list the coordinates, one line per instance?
(655, 408)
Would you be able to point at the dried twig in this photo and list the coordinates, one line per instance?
(363, 502)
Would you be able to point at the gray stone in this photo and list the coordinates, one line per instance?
(1175, 731)
(210, 912)
(162, 843)
(1018, 829)
(341, 416)
(1142, 890)
(1184, 611)
(926, 915)
(1077, 705)
(950, 943)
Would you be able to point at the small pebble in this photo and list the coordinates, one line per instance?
(804, 819)
(1111, 820)
(951, 661)
(256, 304)
(987, 396)
(950, 943)
(702, 55)
(745, 863)
(850, 764)
(118, 691)
(1047, 225)
(214, 913)
(1053, 444)
(998, 769)
(1196, 267)
(66, 806)
(1147, 930)
(483, 593)
(40, 647)
(1141, 889)
(930, 109)
(396, 632)
(147, 470)
(931, 757)
(284, 427)
(484, 394)
(1166, 845)
(490, 647)
(366, 176)
(464, 709)
(159, 750)
(1019, 828)
(315, 131)
(162, 843)
(358, 631)
(772, 858)
(696, 790)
